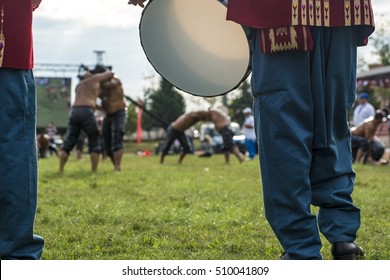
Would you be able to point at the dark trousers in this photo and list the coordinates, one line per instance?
(301, 103)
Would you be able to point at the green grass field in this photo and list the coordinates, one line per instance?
(203, 209)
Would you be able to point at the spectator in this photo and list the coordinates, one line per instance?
(303, 82)
(249, 132)
(207, 146)
(43, 144)
(363, 140)
(51, 131)
(363, 111)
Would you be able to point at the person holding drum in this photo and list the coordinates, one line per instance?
(301, 117)
(303, 55)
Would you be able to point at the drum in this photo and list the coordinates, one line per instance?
(192, 45)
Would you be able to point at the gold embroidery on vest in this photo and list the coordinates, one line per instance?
(281, 31)
(347, 12)
(318, 13)
(294, 12)
(311, 12)
(326, 13)
(284, 46)
(303, 13)
(367, 13)
(357, 12)
(2, 36)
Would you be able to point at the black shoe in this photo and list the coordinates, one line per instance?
(347, 251)
(286, 257)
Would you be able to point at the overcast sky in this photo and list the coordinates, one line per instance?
(70, 31)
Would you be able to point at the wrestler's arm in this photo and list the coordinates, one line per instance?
(102, 77)
(137, 2)
(110, 84)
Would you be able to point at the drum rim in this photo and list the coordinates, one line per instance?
(245, 76)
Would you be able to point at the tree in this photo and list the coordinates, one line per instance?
(148, 122)
(245, 99)
(381, 41)
(164, 102)
(131, 124)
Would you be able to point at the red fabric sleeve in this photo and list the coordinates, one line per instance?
(17, 33)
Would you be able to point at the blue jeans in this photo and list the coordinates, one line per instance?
(301, 100)
(18, 166)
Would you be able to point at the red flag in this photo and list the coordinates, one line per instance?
(139, 123)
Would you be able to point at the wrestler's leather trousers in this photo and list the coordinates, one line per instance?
(301, 101)
(18, 166)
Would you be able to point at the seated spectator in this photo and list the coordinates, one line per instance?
(207, 147)
(366, 147)
(43, 144)
(362, 111)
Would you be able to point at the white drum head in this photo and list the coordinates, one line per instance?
(192, 45)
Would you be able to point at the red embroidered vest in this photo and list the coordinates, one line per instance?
(16, 49)
(288, 21)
